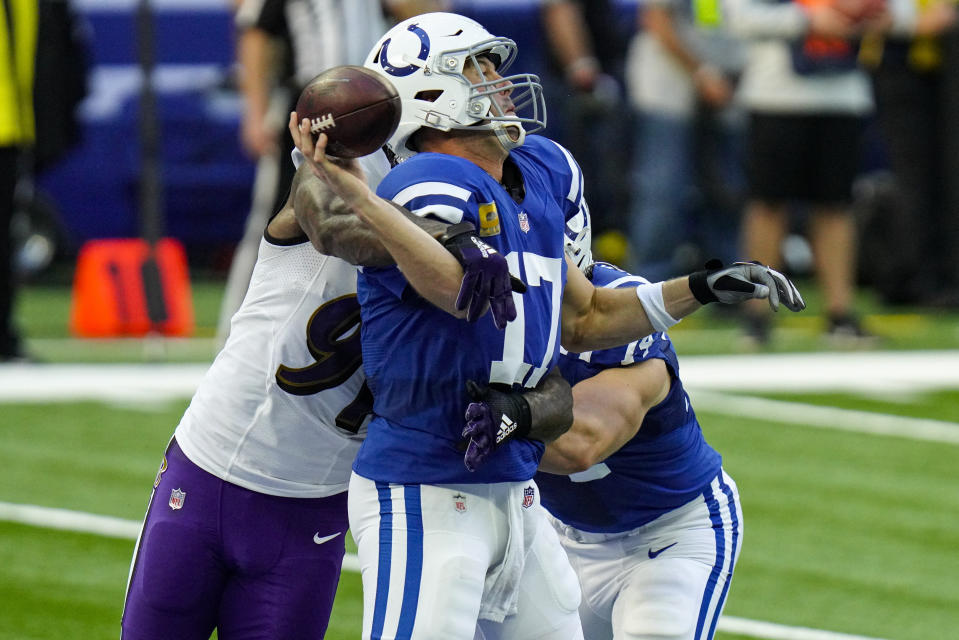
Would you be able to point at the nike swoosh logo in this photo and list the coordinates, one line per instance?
(318, 540)
(653, 554)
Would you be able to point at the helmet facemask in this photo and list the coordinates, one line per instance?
(528, 114)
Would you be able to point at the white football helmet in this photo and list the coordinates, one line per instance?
(424, 57)
(579, 239)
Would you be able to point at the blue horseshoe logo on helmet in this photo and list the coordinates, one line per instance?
(410, 68)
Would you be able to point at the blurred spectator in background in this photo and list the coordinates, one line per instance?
(19, 20)
(916, 236)
(399, 10)
(281, 46)
(584, 82)
(60, 85)
(689, 183)
(808, 101)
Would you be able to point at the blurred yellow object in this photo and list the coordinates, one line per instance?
(925, 52)
(611, 246)
(18, 45)
(707, 13)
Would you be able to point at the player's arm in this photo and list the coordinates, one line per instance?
(550, 407)
(312, 208)
(608, 410)
(598, 318)
(334, 230)
(485, 282)
(496, 416)
(430, 269)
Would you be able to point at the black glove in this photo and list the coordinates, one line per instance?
(487, 283)
(742, 281)
(491, 419)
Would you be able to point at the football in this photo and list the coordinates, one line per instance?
(358, 109)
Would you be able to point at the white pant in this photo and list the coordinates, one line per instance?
(666, 580)
(436, 559)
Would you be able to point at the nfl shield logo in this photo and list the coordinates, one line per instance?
(528, 494)
(177, 498)
(459, 503)
(524, 222)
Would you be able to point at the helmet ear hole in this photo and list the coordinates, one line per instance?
(431, 95)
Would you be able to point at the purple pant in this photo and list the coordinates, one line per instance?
(215, 555)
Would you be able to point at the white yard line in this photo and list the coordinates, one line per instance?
(105, 382)
(773, 631)
(67, 520)
(705, 376)
(861, 372)
(869, 372)
(807, 415)
(78, 521)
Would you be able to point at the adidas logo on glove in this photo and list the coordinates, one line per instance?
(506, 427)
(484, 248)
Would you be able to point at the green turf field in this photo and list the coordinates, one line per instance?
(44, 310)
(846, 532)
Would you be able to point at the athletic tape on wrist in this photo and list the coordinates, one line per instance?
(651, 297)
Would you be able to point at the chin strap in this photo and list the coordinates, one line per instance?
(510, 134)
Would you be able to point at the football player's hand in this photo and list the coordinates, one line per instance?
(743, 281)
(492, 418)
(487, 283)
(336, 172)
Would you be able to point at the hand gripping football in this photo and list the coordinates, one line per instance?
(358, 109)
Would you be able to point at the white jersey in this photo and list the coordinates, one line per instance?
(265, 415)
(285, 405)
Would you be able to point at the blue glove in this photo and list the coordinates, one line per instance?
(487, 283)
(493, 418)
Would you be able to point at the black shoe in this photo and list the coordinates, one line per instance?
(845, 331)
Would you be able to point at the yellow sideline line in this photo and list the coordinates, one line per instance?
(111, 527)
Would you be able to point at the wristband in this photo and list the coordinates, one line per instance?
(651, 297)
(699, 284)
(454, 231)
(516, 419)
(700, 289)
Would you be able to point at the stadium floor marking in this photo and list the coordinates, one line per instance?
(111, 527)
(807, 415)
(884, 372)
(706, 376)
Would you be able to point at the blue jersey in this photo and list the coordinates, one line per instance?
(664, 466)
(418, 358)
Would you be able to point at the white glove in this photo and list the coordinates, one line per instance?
(743, 281)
